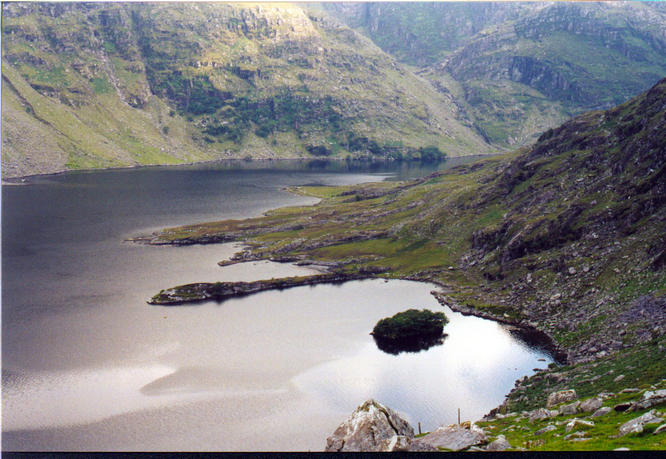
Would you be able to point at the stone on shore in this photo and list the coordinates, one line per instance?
(555, 398)
(371, 427)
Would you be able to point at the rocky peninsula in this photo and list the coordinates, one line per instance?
(221, 291)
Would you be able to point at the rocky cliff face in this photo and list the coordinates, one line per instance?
(423, 34)
(563, 58)
(119, 84)
(517, 69)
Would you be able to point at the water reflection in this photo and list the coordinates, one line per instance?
(414, 345)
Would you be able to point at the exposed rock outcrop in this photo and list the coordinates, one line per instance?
(637, 425)
(562, 396)
(371, 427)
(454, 437)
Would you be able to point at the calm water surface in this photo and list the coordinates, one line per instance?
(88, 365)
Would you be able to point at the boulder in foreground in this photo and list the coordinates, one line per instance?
(371, 427)
(454, 437)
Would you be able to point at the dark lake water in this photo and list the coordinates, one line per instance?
(88, 365)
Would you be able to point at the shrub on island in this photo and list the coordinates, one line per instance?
(410, 331)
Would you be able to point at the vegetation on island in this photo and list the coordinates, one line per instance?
(412, 331)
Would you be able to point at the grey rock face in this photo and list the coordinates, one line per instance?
(453, 437)
(650, 399)
(371, 427)
(575, 423)
(590, 405)
(623, 406)
(548, 428)
(562, 396)
(571, 408)
(499, 444)
(601, 412)
(636, 425)
(541, 414)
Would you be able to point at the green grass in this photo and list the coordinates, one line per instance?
(101, 86)
(601, 436)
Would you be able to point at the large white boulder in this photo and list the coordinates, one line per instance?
(371, 427)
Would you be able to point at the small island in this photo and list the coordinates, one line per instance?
(410, 331)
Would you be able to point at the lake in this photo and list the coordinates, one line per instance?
(88, 365)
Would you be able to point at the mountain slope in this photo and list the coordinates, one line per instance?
(120, 84)
(516, 69)
(424, 33)
(567, 236)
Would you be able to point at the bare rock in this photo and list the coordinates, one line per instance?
(540, 414)
(453, 437)
(636, 425)
(650, 399)
(571, 408)
(499, 444)
(605, 395)
(371, 427)
(590, 405)
(630, 390)
(548, 428)
(396, 443)
(660, 429)
(562, 396)
(604, 410)
(575, 423)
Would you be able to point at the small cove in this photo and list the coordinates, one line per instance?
(88, 365)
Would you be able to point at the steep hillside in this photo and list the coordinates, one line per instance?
(567, 236)
(110, 84)
(424, 33)
(517, 69)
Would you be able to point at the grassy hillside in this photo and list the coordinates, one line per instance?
(110, 84)
(567, 236)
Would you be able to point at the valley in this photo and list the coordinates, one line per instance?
(317, 168)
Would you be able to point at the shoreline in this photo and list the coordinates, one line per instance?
(201, 292)
(222, 291)
(19, 179)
